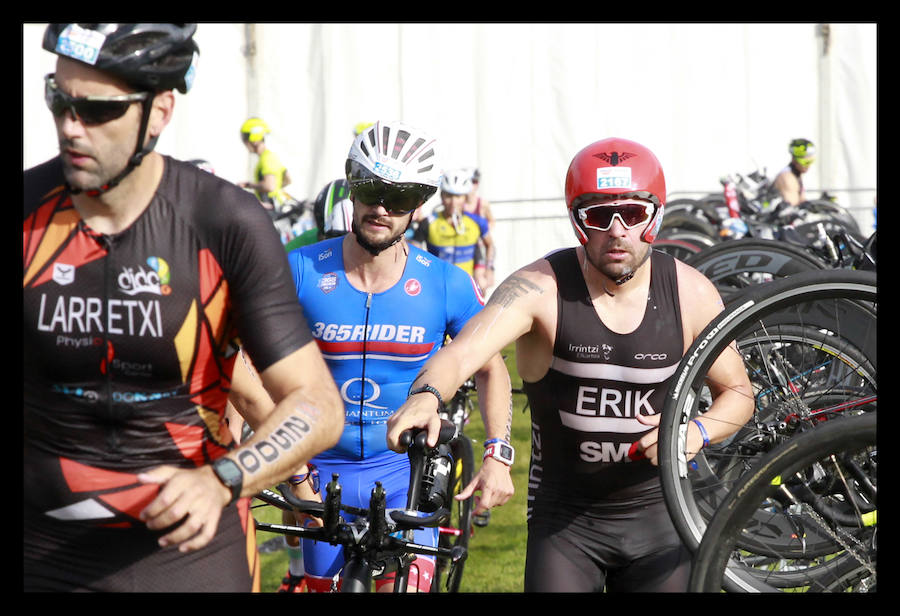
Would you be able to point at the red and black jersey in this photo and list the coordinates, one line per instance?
(130, 339)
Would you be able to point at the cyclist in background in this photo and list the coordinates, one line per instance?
(140, 275)
(454, 235)
(475, 204)
(600, 329)
(379, 308)
(789, 181)
(333, 213)
(270, 176)
(478, 206)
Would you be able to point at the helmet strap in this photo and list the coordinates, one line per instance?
(630, 275)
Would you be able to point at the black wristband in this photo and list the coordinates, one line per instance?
(429, 389)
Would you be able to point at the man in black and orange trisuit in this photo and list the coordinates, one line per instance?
(142, 277)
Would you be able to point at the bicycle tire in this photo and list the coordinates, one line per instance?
(687, 221)
(447, 575)
(713, 555)
(841, 371)
(838, 214)
(738, 264)
(681, 249)
(710, 210)
(681, 243)
(754, 305)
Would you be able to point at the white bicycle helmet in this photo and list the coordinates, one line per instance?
(457, 182)
(394, 153)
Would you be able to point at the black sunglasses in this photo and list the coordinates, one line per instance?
(90, 110)
(395, 198)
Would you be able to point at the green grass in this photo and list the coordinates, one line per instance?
(496, 561)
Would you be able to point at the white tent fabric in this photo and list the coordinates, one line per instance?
(519, 100)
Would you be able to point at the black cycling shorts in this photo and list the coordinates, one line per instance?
(61, 556)
(629, 551)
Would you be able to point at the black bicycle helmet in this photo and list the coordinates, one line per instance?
(152, 57)
(148, 57)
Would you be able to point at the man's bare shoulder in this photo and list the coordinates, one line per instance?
(692, 280)
(530, 283)
(699, 298)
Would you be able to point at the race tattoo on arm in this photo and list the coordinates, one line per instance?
(509, 421)
(512, 289)
(287, 435)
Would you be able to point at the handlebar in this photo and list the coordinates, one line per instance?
(372, 530)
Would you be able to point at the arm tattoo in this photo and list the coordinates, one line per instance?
(509, 422)
(267, 450)
(513, 288)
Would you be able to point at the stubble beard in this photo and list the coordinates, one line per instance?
(374, 247)
(618, 270)
(86, 179)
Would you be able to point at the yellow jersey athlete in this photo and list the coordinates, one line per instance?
(452, 234)
(270, 176)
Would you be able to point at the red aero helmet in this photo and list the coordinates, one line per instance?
(615, 168)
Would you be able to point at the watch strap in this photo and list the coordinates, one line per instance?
(231, 476)
(500, 451)
(430, 390)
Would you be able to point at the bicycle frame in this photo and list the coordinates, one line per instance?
(372, 547)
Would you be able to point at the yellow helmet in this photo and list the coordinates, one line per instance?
(360, 127)
(803, 151)
(254, 130)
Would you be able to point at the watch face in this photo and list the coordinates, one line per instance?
(228, 471)
(506, 452)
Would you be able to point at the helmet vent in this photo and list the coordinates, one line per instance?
(399, 142)
(423, 158)
(413, 149)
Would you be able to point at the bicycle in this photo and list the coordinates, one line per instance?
(822, 481)
(458, 530)
(808, 344)
(376, 541)
(738, 264)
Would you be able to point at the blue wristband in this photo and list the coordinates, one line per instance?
(495, 440)
(703, 432)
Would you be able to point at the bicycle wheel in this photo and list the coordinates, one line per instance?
(456, 534)
(681, 244)
(793, 336)
(841, 457)
(738, 264)
(689, 221)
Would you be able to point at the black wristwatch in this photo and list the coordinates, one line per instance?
(231, 475)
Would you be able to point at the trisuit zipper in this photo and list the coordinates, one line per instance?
(362, 392)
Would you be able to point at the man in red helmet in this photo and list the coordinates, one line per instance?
(600, 329)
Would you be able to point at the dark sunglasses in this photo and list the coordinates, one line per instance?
(90, 110)
(600, 216)
(395, 198)
(312, 474)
